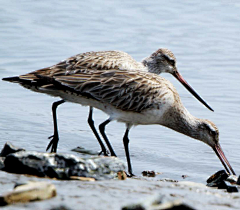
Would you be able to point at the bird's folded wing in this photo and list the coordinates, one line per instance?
(128, 91)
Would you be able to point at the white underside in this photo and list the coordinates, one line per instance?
(149, 116)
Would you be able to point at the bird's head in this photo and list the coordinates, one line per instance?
(209, 134)
(164, 61)
(161, 61)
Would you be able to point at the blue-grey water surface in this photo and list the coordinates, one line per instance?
(203, 35)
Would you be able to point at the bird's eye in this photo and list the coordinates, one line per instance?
(169, 60)
(214, 133)
(172, 62)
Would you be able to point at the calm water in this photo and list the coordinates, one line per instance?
(203, 36)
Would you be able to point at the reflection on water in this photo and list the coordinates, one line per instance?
(203, 36)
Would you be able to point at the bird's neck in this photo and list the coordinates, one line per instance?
(140, 66)
(152, 66)
(149, 67)
(183, 122)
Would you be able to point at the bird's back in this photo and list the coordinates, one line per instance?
(105, 60)
(125, 90)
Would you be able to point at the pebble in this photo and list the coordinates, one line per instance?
(232, 179)
(184, 176)
(122, 175)
(149, 173)
(31, 191)
(9, 149)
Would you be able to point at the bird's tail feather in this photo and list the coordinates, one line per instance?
(11, 79)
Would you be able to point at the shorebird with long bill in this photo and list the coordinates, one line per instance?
(161, 61)
(128, 96)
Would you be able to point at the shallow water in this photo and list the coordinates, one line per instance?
(204, 37)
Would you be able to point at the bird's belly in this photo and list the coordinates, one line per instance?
(148, 116)
(143, 118)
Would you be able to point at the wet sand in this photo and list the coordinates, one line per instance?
(115, 194)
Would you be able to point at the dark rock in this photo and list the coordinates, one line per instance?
(218, 177)
(2, 162)
(9, 148)
(62, 166)
(149, 173)
(219, 180)
(232, 189)
(238, 181)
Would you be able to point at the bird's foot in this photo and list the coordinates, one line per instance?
(113, 154)
(104, 152)
(130, 174)
(53, 143)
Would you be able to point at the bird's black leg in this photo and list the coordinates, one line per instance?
(91, 124)
(54, 138)
(125, 143)
(102, 131)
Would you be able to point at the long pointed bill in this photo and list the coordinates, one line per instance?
(218, 150)
(179, 77)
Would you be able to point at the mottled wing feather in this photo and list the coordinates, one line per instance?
(122, 89)
(87, 62)
(86, 74)
(104, 60)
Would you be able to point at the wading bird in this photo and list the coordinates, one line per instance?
(131, 97)
(161, 61)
